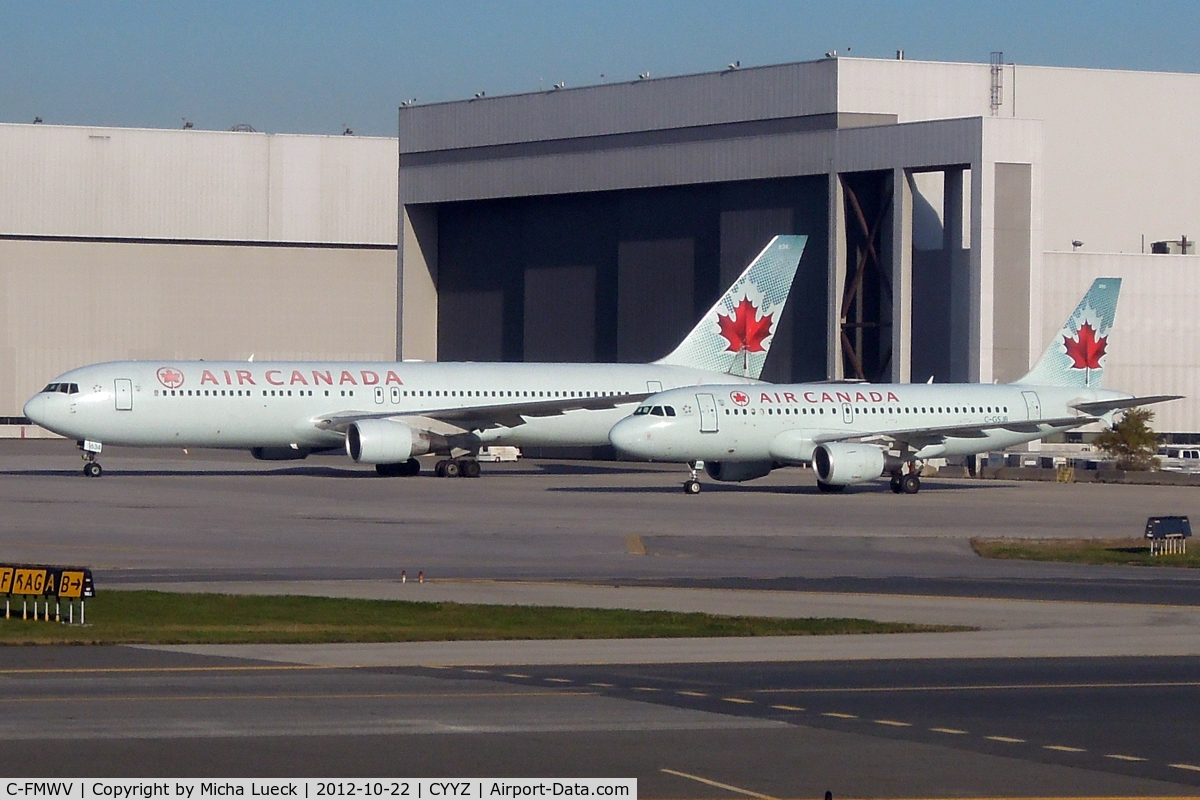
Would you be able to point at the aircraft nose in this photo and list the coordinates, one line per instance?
(35, 409)
(631, 436)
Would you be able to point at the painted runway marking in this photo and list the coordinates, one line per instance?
(1122, 757)
(717, 784)
(788, 708)
(1062, 748)
(515, 675)
(737, 700)
(602, 685)
(954, 731)
(692, 694)
(1190, 767)
(143, 670)
(838, 715)
(634, 545)
(984, 687)
(478, 671)
(646, 689)
(1005, 739)
(894, 723)
(559, 680)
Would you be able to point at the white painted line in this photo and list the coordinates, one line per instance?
(718, 785)
(1062, 748)
(693, 694)
(737, 700)
(646, 689)
(514, 675)
(602, 685)
(839, 716)
(788, 708)
(478, 671)
(1191, 767)
(954, 731)
(559, 680)
(1121, 757)
(1005, 739)
(894, 723)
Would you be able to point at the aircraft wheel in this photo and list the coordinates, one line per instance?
(451, 470)
(92, 470)
(911, 484)
(691, 487)
(439, 469)
(412, 467)
(469, 468)
(830, 488)
(896, 484)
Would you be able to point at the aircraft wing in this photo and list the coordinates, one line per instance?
(1101, 407)
(916, 438)
(462, 420)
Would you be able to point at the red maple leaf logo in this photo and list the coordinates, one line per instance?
(1085, 350)
(170, 378)
(743, 329)
(739, 398)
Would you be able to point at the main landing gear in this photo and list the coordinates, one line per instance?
(691, 485)
(457, 468)
(906, 484)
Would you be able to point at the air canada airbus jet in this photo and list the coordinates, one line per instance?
(386, 414)
(853, 433)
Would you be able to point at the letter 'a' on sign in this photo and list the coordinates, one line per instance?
(29, 581)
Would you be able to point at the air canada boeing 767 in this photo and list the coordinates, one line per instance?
(386, 414)
(854, 433)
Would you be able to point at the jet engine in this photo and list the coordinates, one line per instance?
(383, 441)
(737, 470)
(841, 463)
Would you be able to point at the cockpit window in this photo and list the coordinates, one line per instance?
(657, 411)
(62, 388)
(670, 410)
(641, 411)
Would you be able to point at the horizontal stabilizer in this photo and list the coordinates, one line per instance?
(1102, 407)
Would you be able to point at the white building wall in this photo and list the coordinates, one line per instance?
(1156, 337)
(1120, 147)
(196, 185)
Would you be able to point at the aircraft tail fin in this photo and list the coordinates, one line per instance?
(1076, 355)
(735, 335)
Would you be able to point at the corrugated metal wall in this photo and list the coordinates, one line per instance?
(1157, 332)
(196, 185)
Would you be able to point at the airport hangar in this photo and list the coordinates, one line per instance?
(955, 214)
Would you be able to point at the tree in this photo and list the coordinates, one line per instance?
(1131, 442)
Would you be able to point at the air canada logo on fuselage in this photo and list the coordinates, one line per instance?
(739, 398)
(170, 377)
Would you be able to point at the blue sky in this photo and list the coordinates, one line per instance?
(310, 67)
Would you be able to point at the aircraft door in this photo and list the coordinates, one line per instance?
(379, 394)
(847, 413)
(708, 413)
(1032, 405)
(124, 394)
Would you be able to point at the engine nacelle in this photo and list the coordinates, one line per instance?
(383, 441)
(737, 470)
(841, 463)
(279, 453)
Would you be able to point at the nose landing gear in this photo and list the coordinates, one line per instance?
(91, 467)
(691, 485)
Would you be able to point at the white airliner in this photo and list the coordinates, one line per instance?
(386, 414)
(857, 432)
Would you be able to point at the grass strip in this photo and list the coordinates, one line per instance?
(141, 617)
(1084, 551)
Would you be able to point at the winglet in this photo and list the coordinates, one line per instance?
(735, 335)
(1077, 354)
